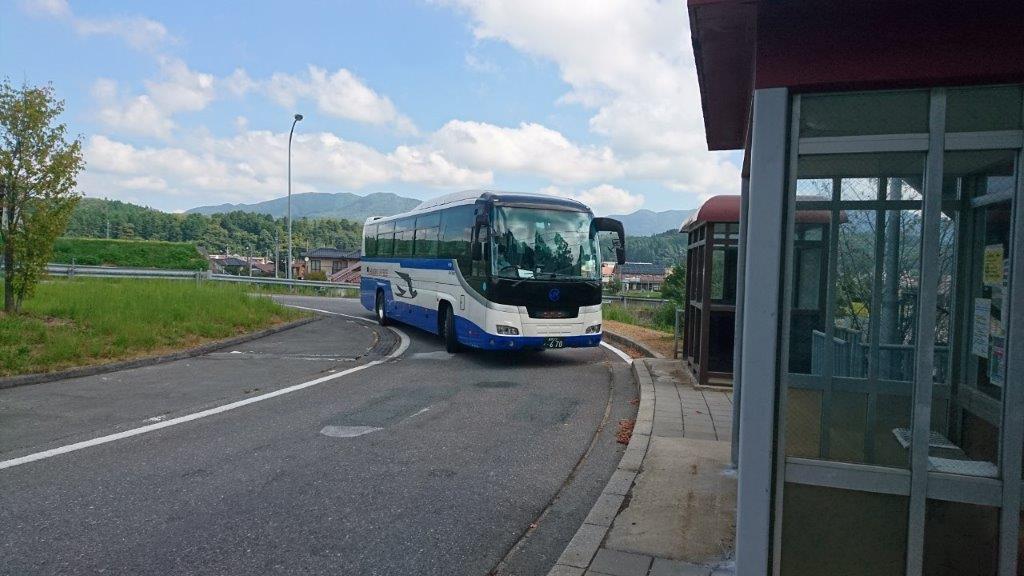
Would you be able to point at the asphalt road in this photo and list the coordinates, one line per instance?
(421, 463)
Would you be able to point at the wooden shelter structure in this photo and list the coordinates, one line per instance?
(710, 305)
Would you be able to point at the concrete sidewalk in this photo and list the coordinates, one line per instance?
(670, 508)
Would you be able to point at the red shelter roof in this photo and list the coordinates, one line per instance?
(724, 208)
(816, 46)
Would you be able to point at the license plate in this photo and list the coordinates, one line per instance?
(554, 343)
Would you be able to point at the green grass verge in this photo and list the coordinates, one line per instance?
(129, 253)
(70, 323)
(660, 317)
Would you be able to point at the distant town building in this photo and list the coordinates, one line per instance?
(337, 265)
(641, 276)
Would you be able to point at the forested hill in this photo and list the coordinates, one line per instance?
(666, 249)
(238, 231)
(340, 205)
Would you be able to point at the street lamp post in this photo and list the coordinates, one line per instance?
(297, 117)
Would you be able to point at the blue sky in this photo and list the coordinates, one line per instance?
(184, 104)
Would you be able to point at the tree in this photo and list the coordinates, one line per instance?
(38, 172)
(674, 287)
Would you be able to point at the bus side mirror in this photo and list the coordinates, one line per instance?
(612, 225)
(477, 251)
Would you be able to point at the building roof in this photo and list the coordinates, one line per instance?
(723, 37)
(232, 261)
(645, 268)
(724, 208)
(814, 46)
(334, 253)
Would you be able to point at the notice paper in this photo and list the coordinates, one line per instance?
(992, 270)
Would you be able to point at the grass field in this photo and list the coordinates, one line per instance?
(91, 320)
(130, 253)
(660, 317)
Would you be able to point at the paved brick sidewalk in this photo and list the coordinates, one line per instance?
(670, 508)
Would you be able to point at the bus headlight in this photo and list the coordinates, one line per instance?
(595, 329)
(508, 330)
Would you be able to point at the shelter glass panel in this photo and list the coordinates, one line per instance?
(832, 531)
(986, 108)
(969, 376)
(853, 307)
(864, 113)
(960, 539)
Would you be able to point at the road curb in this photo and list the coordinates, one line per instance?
(24, 380)
(581, 549)
(630, 343)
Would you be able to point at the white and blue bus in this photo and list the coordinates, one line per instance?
(491, 270)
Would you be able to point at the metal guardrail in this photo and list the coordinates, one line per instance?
(72, 270)
(632, 299)
(280, 281)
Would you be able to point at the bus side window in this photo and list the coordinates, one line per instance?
(403, 242)
(456, 227)
(370, 240)
(426, 242)
(385, 244)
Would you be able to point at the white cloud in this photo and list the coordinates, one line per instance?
(136, 116)
(340, 94)
(52, 8)
(430, 167)
(239, 83)
(180, 88)
(528, 149)
(251, 166)
(138, 32)
(602, 199)
(628, 60)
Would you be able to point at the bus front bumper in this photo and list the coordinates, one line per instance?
(479, 339)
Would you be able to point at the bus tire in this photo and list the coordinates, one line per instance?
(451, 341)
(381, 310)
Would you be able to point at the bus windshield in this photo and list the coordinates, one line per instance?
(543, 244)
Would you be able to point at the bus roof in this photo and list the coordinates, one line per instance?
(471, 196)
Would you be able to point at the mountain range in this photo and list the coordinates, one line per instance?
(348, 206)
(648, 222)
(340, 205)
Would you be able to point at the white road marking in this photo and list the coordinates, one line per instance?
(370, 320)
(348, 431)
(402, 347)
(620, 353)
(427, 409)
(436, 355)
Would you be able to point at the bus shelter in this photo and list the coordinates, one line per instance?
(880, 372)
(710, 305)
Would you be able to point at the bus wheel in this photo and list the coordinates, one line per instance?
(451, 342)
(382, 315)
